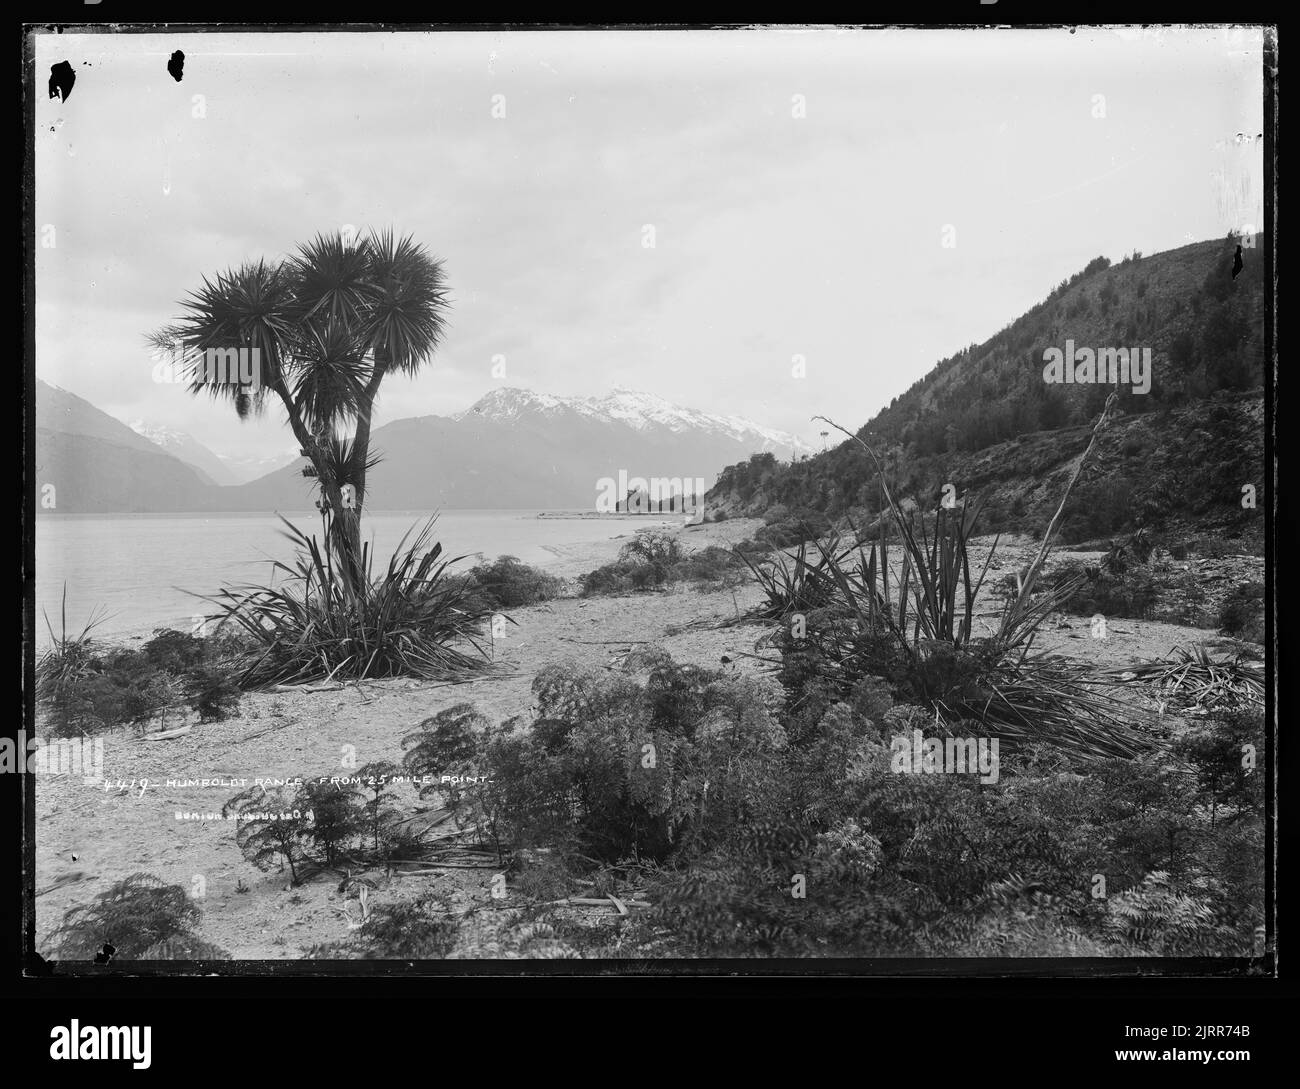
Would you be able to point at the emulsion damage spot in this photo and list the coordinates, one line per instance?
(62, 77)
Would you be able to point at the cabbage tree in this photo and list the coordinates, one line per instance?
(318, 332)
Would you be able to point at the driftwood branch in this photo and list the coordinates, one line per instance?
(307, 688)
(1050, 533)
(606, 642)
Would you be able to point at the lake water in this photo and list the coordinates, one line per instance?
(138, 567)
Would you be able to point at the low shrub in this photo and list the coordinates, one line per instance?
(508, 583)
(212, 692)
(1242, 614)
(794, 530)
(378, 814)
(653, 559)
(1135, 593)
(421, 929)
(708, 566)
(1099, 509)
(271, 827)
(138, 918)
(1214, 747)
(759, 820)
(610, 768)
(654, 547)
(87, 687)
(173, 651)
(620, 577)
(693, 784)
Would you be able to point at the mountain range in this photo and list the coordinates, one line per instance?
(185, 447)
(990, 420)
(512, 449)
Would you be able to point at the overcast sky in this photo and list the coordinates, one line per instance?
(775, 235)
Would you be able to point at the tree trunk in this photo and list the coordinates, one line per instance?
(348, 520)
(344, 532)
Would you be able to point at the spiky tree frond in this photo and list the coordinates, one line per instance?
(330, 376)
(165, 341)
(333, 280)
(408, 318)
(344, 461)
(251, 307)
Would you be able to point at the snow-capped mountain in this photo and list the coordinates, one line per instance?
(511, 450)
(507, 404)
(637, 410)
(246, 468)
(514, 448)
(216, 468)
(188, 449)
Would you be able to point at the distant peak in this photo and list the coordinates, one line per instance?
(635, 409)
(508, 402)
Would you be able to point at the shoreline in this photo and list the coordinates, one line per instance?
(567, 561)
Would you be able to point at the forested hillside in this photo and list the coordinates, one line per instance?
(986, 421)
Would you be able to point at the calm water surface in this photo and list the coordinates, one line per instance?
(138, 567)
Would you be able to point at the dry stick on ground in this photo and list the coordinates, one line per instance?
(479, 680)
(758, 657)
(260, 733)
(1032, 573)
(606, 642)
(587, 901)
(307, 688)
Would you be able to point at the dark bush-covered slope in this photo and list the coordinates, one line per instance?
(985, 420)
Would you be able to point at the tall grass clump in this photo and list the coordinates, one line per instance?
(412, 618)
(912, 620)
(795, 581)
(84, 686)
(64, 664)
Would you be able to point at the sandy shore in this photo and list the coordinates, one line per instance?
(570, 561)
(88, 838)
